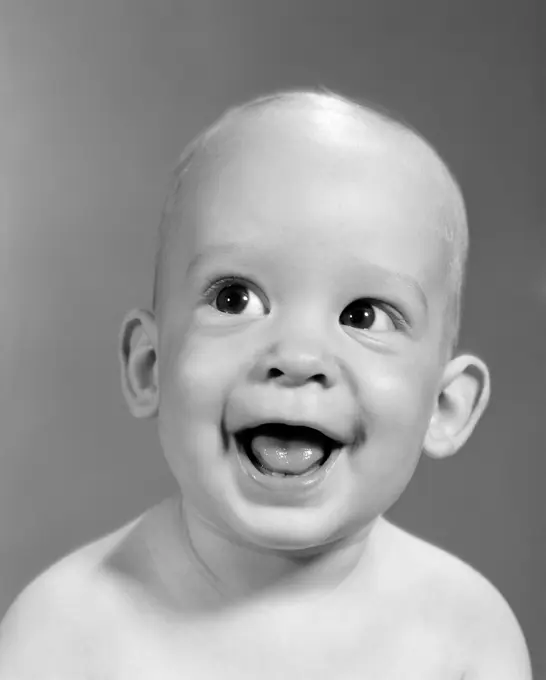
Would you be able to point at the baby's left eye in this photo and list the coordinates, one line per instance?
(365, 314)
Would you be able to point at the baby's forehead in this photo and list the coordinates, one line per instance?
(286, 148)
(300, 174)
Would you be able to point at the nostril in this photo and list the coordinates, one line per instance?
(320, 378)
(297, 377)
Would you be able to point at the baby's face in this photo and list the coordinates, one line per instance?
(300, 339)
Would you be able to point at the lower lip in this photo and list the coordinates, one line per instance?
(289, 484)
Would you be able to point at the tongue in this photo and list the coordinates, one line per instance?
(291, 457)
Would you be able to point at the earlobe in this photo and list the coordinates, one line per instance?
(463, 398)
(138, 358)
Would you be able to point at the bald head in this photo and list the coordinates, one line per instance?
(323, 122)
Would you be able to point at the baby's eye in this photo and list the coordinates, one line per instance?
(365, 314)
(237, 298)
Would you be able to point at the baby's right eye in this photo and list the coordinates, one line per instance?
(236, 298)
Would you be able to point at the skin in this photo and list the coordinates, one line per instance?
(311, 214)
(312, 221)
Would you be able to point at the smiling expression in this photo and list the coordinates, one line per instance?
(305, 286)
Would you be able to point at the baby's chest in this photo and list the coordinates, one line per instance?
(272, 652)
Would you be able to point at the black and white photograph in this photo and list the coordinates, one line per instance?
(273, 349)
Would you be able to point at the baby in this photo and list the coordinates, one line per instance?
(298, 359)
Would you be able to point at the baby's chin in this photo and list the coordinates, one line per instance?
(301, 533)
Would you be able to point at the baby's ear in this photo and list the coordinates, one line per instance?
(460, 404)
(137, 350)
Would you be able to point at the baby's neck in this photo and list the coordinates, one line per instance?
(238, 571)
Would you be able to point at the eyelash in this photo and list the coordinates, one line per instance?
(214, 286)
(399, 320)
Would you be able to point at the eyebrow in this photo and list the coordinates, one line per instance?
(387, 275)
(403, 279)
(212, 251)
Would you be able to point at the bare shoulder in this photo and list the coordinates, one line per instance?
(459, 598)
(50, 630)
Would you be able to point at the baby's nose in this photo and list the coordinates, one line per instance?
(295, 367)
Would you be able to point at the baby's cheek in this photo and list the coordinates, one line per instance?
(404, 395)
(396, 413)
(203, 371)
(192, 396)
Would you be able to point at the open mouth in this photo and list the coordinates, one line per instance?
(283, 450)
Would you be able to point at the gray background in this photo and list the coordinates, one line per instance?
(97, 100)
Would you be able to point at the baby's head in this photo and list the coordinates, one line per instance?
(300, 352)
